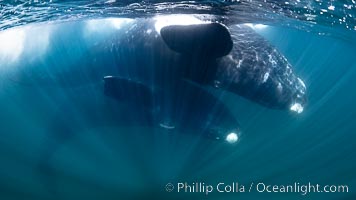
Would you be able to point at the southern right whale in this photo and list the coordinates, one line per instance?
(162, 49)
(162, 53)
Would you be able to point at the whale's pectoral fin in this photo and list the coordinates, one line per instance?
(210, 40)
(128, 91)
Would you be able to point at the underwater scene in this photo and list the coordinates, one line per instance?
(219, 99)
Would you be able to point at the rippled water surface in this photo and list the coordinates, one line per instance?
(69, 141)
(330, 13)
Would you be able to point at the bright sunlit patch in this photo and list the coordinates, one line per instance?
(162, 21)
(37, 39)
(11, 44)
(101, 24)
(118, 22)
(256, 26)
(297, 107)
(232, 138)
(21, 43)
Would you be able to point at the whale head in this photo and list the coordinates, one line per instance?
(256, 70)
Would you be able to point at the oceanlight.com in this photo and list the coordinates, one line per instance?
(260, 187)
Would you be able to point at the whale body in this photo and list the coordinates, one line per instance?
(160, 54)
(161, 51)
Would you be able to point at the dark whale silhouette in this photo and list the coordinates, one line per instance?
(160, 53)
(234, 59)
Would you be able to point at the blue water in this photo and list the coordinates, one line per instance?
(112, 156)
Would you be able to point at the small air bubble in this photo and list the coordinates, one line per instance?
(217, 84)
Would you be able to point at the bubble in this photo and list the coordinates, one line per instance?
(232, 138)
(297, 107)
